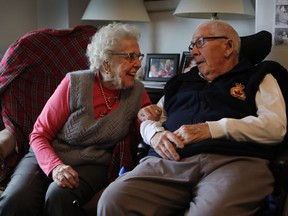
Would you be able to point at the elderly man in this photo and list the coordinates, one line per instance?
(211, 148)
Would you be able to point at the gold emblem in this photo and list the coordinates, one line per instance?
(238, 91)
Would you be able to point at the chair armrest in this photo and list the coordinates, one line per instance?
(142, 150)
(280, 171)
(7, 144)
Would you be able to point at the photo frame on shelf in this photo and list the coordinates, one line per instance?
(161, 67)
(186, 62)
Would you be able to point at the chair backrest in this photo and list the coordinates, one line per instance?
(32, 68)
(256, 47)
(30, 71)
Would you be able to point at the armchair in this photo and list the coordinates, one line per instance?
(30, 70)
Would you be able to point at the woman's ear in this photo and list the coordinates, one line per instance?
(106, 66)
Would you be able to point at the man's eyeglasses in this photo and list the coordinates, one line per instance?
(201, 41)
(130, 56)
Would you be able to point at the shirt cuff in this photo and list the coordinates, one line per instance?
(216, 129)
(149, 128)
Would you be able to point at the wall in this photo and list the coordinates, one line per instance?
(169, 34)
(265, 21)
(16, 18)
(76, 9)
(164, 34)
(52, 14)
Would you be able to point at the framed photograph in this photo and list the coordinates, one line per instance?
(161, 67)
(187, 62)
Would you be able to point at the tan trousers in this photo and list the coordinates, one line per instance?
(201, 185)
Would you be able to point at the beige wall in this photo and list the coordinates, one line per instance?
(16, 18)
(52, 14)
(164, 34)
(76, 10)
(265, 20)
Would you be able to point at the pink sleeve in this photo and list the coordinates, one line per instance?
(145, 102)
(52, 118)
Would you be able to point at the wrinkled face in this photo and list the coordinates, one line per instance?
(210, 53)
(125, 63)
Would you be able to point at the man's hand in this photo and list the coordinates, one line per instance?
(151, 112)
(165, 144)
(193, 133)
(65, 176)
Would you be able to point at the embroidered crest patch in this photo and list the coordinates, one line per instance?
(238, 91)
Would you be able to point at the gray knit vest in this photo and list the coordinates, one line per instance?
(84, 139)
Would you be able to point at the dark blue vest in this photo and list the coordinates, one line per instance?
(189, 99)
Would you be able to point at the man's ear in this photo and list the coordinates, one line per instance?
(229, 48)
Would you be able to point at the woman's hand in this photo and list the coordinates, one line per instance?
(65, 176)
(151, 112)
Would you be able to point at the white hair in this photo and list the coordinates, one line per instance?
(222, 28)
(106, 40)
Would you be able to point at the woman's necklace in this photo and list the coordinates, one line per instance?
(107, 100)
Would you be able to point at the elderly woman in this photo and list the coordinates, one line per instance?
(71, 143)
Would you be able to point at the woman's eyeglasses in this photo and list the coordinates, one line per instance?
(130, 56)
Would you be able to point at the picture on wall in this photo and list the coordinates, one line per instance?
(281, 13)
(161, 67)
(187, 62)
(281, 22)
(281, 36)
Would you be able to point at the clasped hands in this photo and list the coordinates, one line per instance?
(165, 143)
